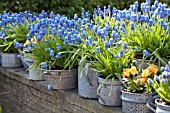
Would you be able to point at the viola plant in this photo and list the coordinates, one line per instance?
(161, 84)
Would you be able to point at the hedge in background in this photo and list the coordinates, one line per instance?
(64, 7)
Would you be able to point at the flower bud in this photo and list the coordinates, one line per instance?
(150, 82)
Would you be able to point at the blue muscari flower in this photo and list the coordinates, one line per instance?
(142, 18)
(97, 49)
(28, 37)
(136, 48)
(153, 8)
(162, 15)
(165, 27)
(17, 45)
(127, 16)
(146, 53)
(90, 39)
(156, 78)
(124, 45)
(162, 69)
(166, 68)
(48, 49)
(18, 56)
(121, 53)
(116, 56)
(163, 81)
(51, 53)
(168, 11)
(132, 26)
(38, 37)
(106, 44)
(111, 41)
(58, 55)
(136, 4)
(58, 46)
(87, 42)
(159, 90)
(133, 17)
(162, 23)
(148, 1)
(29, 27)
(150, 22)
(143, 5)
(53, 31)
(83, 35)
(95, 28)
(44, 65)
(150, 82)
(94, 43)
(169, 63)
(147, 9)
(146, 18)
(3, 35)
(114, 34)
(50, 87)
(29, 48)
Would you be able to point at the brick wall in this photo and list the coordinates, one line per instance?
(26, 96)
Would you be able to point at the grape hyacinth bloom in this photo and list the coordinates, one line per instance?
(52, 53)
(150, 82)
(146, 53)
(97, 49)
(44, 65)
(132, 26)
(121, 53)
(116, 56)
(58, 55)
(50, 87)
(106, 44)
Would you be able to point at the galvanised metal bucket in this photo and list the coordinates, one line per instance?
(160, 108)
(26, 61)
(10, 60)
(35, 74)
(61, 79)
(103, 93)
(87, 83)
(135, 102)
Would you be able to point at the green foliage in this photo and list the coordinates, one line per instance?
(65, 7)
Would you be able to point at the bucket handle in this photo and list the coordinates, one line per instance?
(98, 94)
(86, 69)
(151, 106)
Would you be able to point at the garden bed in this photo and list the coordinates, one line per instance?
(27, 96)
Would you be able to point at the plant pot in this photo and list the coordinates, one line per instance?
(135, 102)
(87, 83)
(35, 74)
(161, 108)
(103, 93)
(10, 60)
(61, 79)
(0, 56)
(26, 62)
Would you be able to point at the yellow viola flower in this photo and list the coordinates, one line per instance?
(145, 73)
(125, 73)
(142, 80)
(133, 70)
(153, 69)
